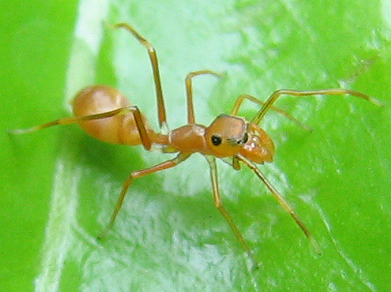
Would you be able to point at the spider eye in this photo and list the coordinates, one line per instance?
(245, 138)
(216, 140)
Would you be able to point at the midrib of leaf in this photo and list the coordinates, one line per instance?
(64, 199)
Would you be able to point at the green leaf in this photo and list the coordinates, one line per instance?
(60, 186)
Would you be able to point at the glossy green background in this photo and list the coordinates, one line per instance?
(59, 186)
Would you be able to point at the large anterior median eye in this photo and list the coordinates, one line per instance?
(245, 138)
(216, 140)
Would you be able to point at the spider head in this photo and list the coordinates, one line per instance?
(230, 135)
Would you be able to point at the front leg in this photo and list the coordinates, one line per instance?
(219, 205)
